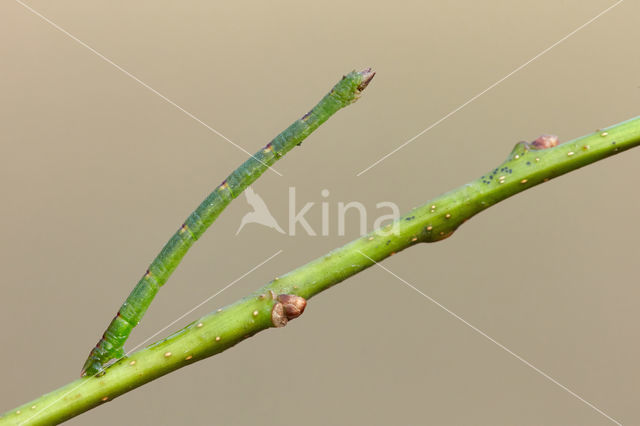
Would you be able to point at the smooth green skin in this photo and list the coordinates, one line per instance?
(237, 322)
(111, 344)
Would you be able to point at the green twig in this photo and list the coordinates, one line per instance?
(283, 298)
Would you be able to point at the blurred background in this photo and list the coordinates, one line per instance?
(97, 172)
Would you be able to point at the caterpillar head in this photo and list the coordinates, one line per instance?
(367, 75)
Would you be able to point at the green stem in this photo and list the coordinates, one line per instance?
(527, 165)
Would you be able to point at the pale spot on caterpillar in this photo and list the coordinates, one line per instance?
(255, 313)
(104, 398)
(199, 325)
(184, 228)
(188, 357)
(167, 354)
(603, 134)
(33, 407)
(217, 338)
(524, 181)
(570, 153)
(447, 216)
(224, 185)
(132, 362)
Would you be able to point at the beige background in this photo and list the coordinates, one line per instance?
(96, 172)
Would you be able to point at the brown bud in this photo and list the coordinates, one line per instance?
(287, 307)
(293, 305)
(277, 315)
(544, 142)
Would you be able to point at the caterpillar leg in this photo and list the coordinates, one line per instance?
(109, 347)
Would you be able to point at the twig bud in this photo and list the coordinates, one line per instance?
(288, 307)
(278, 317)
(544, 142)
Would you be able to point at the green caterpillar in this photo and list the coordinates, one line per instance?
(111, 345)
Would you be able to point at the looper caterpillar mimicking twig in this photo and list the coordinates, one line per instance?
(111, 344)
